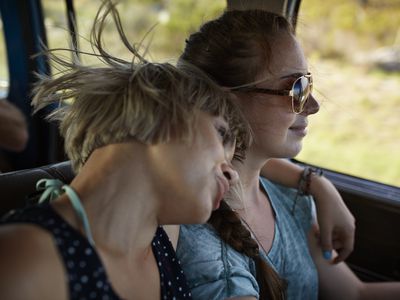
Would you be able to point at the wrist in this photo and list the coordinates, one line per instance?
(309, 179)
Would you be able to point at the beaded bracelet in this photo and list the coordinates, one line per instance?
(303, 188)
(305, 179)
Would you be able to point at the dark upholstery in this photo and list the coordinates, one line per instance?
(17, 187)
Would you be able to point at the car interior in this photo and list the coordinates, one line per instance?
(375, 205)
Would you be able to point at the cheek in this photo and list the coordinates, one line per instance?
(209, 147)
(230, 151)
(271, 118)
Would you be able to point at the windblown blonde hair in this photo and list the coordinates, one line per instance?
(149, 102)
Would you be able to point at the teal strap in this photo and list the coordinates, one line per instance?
(53, 188)
(78, 207)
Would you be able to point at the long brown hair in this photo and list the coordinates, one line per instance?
(231, 230)
(236, 47)
(233, 50)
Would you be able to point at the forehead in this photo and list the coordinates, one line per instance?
(287, 57)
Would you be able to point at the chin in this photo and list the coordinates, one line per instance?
(204, 218)
(295, 149)
(202, 215)
(287, 153)
(200, 220)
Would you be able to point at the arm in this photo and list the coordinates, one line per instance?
(335, 220)
(13, 128)
(337, 281)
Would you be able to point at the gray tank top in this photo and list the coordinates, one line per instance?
(214, 270)
(289, 253)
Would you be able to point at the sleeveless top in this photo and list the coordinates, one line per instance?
(86, 275)
(216, 271)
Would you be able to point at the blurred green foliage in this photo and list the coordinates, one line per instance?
(345, 27)
(163, 24)
(3, 59)
(357, 130)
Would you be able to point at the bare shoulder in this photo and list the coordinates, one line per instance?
(30, 264)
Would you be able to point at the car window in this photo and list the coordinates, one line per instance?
(162, 25)
(354, 53)
(159, 27)
(4, 76)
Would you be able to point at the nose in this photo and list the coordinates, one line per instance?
(311, 106)
(230, 174)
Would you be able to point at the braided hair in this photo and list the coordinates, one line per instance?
(232, 231)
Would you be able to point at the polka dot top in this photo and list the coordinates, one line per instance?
(87, 278)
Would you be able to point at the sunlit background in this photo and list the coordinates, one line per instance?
(354, 53)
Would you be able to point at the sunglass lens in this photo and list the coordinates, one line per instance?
(301, 92)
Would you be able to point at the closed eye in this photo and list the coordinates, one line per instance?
(221, 132)
(225, 134)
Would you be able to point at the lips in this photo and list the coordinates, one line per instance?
(223, 187)
(300, 129)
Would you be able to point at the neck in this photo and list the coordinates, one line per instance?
(249, 173)
(118, 199)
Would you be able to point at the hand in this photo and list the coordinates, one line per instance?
(13, 127)
(336, 223)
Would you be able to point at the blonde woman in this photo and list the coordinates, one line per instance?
(150, 147)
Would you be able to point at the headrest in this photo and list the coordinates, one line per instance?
(18, 186)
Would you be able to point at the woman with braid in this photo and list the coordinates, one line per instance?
(255, 54)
